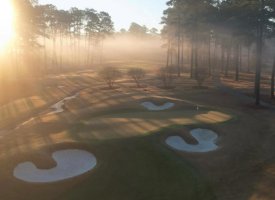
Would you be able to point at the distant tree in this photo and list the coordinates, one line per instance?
(46, 28)
(153, 31)
(64, 21)
(109, 75)
(105, 28)
(138, 30)
(91, 29)
(28, 27)
(106, 25)
(123, 30)
(222, 27)
(137, 74)
(192, 20)
(76, 29)
(43, 18)
(145, 29)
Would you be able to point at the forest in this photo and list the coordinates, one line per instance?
(219, 35)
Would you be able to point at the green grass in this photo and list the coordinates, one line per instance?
(114, 111)
(139, 168)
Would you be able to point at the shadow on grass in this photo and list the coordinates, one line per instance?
(139, 168)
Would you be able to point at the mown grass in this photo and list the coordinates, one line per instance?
(139, 168)
(133, 164)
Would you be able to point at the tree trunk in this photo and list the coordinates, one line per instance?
(259, 57)
(248, 59)
(273, 80)
(88, 50)
(179, 45)
(79, 52)
(61, 51)
(72, 49)
(45, 55)
(227, 61)
(54, 58)
(171, 54)
(240, 58)
(237, 59)
(168, 53)
(196, 55)
(101, 52)
(209, 55)
(222, 59)
(182, 54)
(192, 59)
(215, 60)
(75, 51)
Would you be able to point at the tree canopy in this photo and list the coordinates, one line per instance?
(213, 26)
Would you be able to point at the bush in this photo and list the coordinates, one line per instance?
(166, 75)
(201, 76)
(109, 75)
(136, 74)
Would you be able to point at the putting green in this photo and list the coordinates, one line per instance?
(140, 123)
(140, 168)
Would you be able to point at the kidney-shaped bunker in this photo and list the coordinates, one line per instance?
(70, 163)
(153, 107)
(206, 141)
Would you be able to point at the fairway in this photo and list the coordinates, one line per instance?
(124, 137)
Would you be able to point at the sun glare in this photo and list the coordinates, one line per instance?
(6, 23)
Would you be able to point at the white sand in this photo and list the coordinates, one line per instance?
(25, 123)
(70, 163)
(206, 141)
(153, 107)
(58, 107)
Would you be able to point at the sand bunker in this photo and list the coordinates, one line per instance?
(58, 107)
(206, 141)
(25, 123)
(70, 163)
(153, 107)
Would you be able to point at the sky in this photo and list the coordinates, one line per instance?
(123, 12)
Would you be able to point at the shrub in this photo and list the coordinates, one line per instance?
(109, 75)
(166, 75)
(136, 74)
(201, 76)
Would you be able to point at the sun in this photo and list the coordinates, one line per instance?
(6, 23)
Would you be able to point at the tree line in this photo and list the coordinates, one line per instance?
(212, 35)
(141, 31)
(52, 32)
